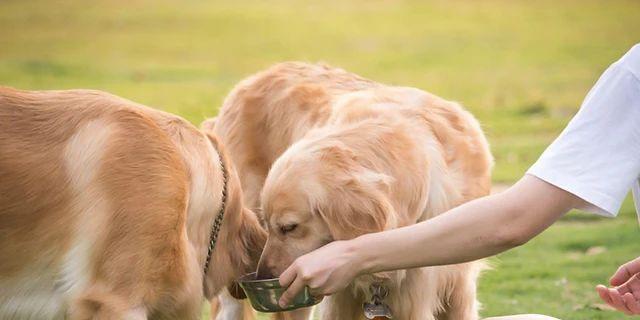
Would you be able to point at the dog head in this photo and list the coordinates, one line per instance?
(316, 193)
(240, 240)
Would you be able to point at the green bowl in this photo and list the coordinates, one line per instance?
(264, 294)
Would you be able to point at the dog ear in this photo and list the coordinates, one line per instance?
(246, 244)
(253, 237)
(358, 205)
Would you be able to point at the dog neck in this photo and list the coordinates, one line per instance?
(217, 222)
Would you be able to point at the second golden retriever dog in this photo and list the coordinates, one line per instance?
(329, 156)
(113, 210)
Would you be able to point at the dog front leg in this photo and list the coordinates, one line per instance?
(462, 303)
(225, 307)
(300, 314)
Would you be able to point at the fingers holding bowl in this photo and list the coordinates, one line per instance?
(287, 296)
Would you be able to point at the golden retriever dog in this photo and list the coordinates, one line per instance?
(328, 155)
(113, 210)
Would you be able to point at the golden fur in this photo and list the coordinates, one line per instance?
(106, 208)
(337, 156)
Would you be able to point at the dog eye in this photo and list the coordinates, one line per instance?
(288, 228)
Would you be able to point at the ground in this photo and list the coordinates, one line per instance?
(522, 67)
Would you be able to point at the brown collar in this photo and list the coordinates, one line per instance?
(215, 229)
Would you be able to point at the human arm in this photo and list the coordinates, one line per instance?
(474, 230)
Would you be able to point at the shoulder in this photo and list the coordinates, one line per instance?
(631, 61)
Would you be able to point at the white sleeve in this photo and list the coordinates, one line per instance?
(597, 156)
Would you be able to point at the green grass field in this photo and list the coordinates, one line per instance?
(522, 67)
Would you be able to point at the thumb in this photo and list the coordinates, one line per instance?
(625, 272)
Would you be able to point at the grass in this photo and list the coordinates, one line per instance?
(522, 67)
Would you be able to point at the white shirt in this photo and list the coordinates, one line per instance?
(597, 156)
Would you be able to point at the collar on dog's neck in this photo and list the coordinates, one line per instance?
(215, 229)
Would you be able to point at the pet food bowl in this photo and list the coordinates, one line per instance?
(264, 294)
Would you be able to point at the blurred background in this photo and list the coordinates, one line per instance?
(522, 67)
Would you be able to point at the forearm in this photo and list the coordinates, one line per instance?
(477, 229)
(471, 231)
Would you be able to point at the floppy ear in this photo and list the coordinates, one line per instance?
(244, 244)
(252, 237)
(358, 205)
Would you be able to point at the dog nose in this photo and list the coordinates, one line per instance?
(264, 272)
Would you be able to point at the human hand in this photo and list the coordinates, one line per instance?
(325, 271)
(625, 295)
